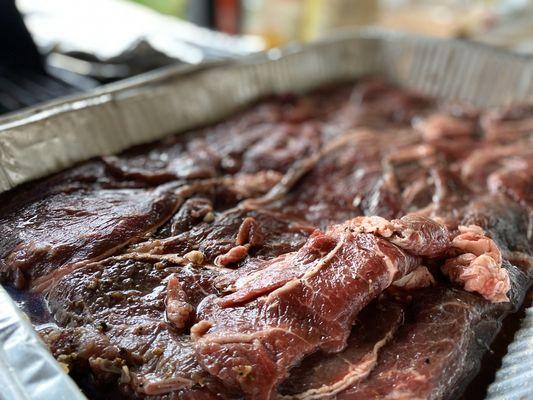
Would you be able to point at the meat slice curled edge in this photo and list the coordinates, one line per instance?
(302, 302)
(307, 301)
(479, 267)
(476, 266)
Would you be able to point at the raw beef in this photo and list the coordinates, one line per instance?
(46, 239)
(357, 242)
(114, 314)
(307, 301)
(322, 375)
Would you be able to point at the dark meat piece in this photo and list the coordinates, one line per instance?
(156, 362)
(377, 103)
(321, 375)
(354, 186)
(42, 240)
(206, 197)
(188, 157)
(278, 149)
(216, 287)
(280, 234)
(192, 212)
(299, 303)
(112, 321)
(439, 347)
(384, 198)
(254, 141)
(124, 284)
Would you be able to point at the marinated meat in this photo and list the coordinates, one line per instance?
(437, 349)
(357, 242)
(322, 375)
(355, 184)
(115, 314)
(46, 239)
(307, 301)
(279, 234)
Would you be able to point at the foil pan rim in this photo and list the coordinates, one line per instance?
(43, 110)
(514, 379)
(53, 136)
(22, 350)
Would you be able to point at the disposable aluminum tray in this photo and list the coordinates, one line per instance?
(52, 137)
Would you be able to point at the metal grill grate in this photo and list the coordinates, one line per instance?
(24, 79)
(27, 88)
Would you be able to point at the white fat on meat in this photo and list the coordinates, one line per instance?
(419, 278)
(479, 267)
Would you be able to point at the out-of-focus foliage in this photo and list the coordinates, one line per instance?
(172, 7)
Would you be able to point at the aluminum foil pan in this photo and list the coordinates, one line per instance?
(514, 379)
(27, 369)
(54, 136)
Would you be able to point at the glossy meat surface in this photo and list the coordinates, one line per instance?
(357, 242)
(312, 308)
(63, 229)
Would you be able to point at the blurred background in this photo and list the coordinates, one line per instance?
(54, 47)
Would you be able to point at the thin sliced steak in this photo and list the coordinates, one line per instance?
(46, 238)
(276, 234)
(112, 321)
(322, 375)
(191, 268)
(303, 302)
(439, 347)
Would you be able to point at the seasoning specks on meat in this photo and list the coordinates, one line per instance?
(357, 242)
